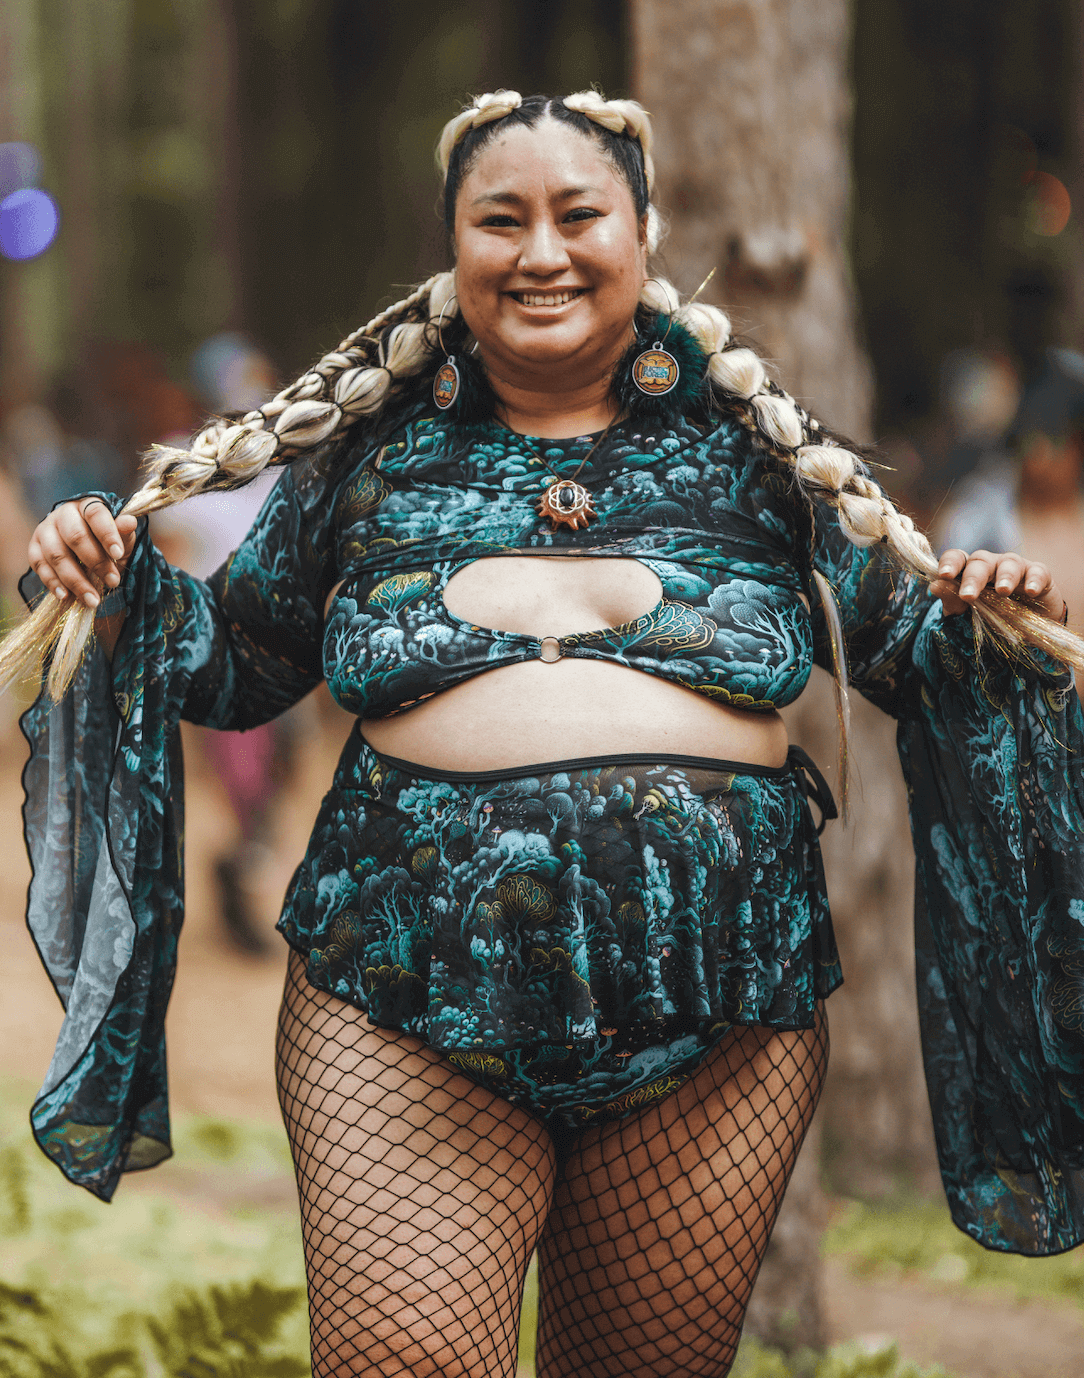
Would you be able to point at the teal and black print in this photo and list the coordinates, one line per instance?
(563, 905)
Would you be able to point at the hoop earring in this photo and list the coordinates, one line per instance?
(656, 372)
(446, 382)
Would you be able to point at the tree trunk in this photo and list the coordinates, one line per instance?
(751, 107)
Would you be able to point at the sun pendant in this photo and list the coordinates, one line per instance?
(567, 504)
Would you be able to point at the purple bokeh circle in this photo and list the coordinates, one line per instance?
(29, 220)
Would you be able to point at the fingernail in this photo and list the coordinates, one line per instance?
(969, 589)
(60, 594)
(1004, 585)
(91, 600)
(112, 578)
(116, 551)
(943, 569)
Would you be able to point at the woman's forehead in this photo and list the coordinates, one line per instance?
(551, 152)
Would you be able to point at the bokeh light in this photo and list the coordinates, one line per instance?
(1049, 204)
(20, 166)
(28, 223)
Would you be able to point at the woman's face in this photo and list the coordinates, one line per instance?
(550, 256)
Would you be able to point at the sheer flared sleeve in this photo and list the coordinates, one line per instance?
(104, 812)
(993, 756)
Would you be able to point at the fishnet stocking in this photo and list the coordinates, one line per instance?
(661, 1220)
(423, 1196)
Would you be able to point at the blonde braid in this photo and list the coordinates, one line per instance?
(353, 380)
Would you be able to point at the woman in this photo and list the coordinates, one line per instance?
(575, 1005)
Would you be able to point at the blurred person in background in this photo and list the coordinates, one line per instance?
(560, 943)
(980, 392)
(1026, 495)
(55, 454)
(231, 376)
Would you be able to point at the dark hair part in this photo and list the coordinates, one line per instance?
(623, 150)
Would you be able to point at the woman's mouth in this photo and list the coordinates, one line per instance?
(548, 298)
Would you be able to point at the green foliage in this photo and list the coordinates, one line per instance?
(227, 1332)
(14, 1201)
(913, 1234)
(184, 1275)
(851, 1360)
(220, 1332)
(528, 1317)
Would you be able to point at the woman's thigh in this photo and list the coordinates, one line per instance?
(660, 1220)
(422, 1196)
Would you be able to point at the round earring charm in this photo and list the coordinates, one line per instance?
(446, 384)
(567, 504)
(656, 371)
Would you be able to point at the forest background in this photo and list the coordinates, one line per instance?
(889, 190)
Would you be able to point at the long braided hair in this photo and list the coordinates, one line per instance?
(391, 357)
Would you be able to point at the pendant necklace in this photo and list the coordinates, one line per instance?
(566, 502)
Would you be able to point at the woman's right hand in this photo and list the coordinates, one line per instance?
(77, 543)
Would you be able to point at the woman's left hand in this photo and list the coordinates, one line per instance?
(1009, 574)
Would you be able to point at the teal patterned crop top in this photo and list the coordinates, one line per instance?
(730, 624)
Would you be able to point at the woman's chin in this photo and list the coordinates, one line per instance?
(553, 352)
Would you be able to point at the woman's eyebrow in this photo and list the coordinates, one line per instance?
(513, 198)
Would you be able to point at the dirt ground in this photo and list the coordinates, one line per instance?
(221, 1031)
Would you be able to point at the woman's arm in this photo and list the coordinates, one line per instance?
(238, 648)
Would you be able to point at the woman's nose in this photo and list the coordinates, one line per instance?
(542, 250)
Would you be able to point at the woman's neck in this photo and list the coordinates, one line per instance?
(555, 415)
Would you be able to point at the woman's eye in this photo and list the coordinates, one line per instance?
(582, 213)
(499, 221)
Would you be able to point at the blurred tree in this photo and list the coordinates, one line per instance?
(244, 165)
(341, 105)
(955, 107)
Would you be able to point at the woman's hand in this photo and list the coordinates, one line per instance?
(77, 543)
(1009, 574)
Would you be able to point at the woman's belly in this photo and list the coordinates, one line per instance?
(533, 712)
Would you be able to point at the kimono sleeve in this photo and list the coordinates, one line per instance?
(992, 750)
(103, 815)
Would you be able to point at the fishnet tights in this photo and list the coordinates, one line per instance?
(423, 1196)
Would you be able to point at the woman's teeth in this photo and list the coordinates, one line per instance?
(547, 298)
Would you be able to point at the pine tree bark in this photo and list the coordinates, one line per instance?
(751, 108)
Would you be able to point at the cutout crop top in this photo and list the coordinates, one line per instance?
(730, 624)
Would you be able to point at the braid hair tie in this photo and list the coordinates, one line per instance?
(494, 105)
(619, 117)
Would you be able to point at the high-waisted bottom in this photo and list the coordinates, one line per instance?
(577, 935)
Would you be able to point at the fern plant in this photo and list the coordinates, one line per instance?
(226, 1332)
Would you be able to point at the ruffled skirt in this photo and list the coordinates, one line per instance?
(572, 933)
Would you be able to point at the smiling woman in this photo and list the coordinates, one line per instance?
(560, 941)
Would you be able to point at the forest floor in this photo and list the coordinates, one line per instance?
(897, 1276)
